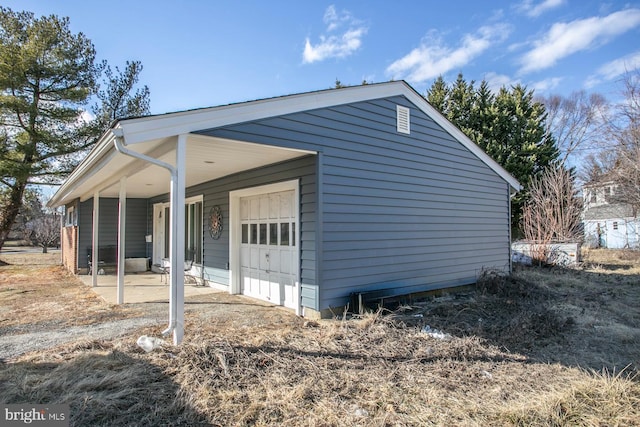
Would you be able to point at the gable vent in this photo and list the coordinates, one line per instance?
(402, 119)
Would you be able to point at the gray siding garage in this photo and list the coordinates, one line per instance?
(216, 193)
(305, 199)
(405, 212)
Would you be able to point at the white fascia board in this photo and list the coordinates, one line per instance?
(168, 125)
(101, 154)
(146, 128)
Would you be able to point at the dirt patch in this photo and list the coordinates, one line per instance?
(20, 343)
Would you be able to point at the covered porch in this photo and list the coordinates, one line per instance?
(142, 288)
(162, 165)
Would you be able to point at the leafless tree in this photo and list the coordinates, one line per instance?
(625, 131)
(597, 166)
(552, 214)
(575, 121)
(45, 231)
(618, 159)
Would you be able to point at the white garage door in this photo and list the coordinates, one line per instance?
(268, 247)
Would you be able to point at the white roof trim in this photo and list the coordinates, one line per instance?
(162, 126)
(148, 128)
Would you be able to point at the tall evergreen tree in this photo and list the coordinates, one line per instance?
(509, 126)
(47, 75)
(483, 115)
(520, 142)
(461, 101)
(438, 96)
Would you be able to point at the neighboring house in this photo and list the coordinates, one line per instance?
(300, 200)
(608, 223)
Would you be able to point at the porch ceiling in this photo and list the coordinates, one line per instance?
(207, 158)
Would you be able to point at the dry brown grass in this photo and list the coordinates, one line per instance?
(39, 293)
(372, 372)
(624, 262)
(514, 359)
(105, 385)
(17, 257)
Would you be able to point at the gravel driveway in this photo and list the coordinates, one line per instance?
(42, 307)
(233, 309)
(14, 345)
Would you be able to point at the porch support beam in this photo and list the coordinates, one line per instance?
(176, 253)
(122, 219)
(176, 237)
(95, 242)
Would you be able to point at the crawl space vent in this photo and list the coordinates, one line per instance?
(402, 119)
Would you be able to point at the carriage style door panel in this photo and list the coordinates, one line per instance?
(268, 251)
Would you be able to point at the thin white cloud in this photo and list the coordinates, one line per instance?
(535, 10)
(564, 39)
(433, 57)
(331, 18)
(614, 69)
(497, 81)
(546, 84)
(335, 20)
(333, 45)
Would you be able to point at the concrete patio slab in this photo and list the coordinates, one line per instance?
(141, 287)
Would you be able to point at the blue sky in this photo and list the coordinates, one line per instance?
(205, 53)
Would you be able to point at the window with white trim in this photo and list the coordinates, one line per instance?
(193, 231)
(70, 217)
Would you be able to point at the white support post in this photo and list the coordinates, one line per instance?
(176, 234)
(177, 240)
(122, 219)
(94, 244)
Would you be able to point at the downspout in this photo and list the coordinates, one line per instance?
(120, 146)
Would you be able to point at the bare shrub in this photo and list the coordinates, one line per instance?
(491, 282)
(552, 213)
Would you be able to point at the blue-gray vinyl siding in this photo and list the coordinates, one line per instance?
(216, 193)
(395, 211)
(136, 227)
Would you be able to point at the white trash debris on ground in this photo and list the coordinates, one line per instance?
(435, 333)
(149, 343)
(359, 412)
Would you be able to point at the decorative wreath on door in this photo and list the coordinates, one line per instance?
(215, 222)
